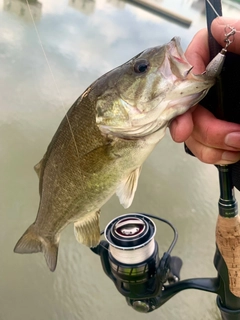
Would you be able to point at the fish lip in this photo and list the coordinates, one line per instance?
(175, 49)
(179, 63)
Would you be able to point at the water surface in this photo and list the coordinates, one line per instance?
(82, 40)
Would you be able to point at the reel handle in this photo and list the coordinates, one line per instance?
(175, 266)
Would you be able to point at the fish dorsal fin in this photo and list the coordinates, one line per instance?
(87, 230)
(38, 167)
(126, 190)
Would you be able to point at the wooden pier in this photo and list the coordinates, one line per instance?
(166, 13)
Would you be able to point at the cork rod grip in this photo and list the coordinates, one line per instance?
(228, 242)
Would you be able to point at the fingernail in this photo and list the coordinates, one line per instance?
(231, 156)
(233, 139)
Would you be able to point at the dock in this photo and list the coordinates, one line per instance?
(163, 12)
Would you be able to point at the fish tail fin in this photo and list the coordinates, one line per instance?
(32, 242)
(50, 251)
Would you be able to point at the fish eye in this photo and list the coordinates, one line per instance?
(141, 66)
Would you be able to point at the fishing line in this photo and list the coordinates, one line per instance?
(53, 78)
(214, 10)
(52, 75)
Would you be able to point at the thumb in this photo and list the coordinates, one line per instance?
(220, 26)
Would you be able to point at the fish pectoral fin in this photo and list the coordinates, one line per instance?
(126, 190)
(32, 242)
(87, 230)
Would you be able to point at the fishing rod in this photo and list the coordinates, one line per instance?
(227, 252)
(130, 256)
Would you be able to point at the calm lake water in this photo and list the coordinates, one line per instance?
(83, 39)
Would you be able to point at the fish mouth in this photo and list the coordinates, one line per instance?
(179, 65)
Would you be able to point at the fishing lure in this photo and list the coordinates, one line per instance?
(214, 67)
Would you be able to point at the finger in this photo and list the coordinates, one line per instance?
(197, 52)
(218, 31)
(212, 155)
(181, 127)
(215, 133)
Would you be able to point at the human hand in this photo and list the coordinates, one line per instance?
(210, 140)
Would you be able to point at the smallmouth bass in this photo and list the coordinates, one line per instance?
(99, 148)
